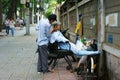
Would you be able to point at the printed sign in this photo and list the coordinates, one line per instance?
(112, 20)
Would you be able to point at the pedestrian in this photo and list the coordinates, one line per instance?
(7, 26)
(43, 28)
(12, 26)
(21, 22)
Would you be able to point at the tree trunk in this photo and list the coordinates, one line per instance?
(0, 15)
(12, 10)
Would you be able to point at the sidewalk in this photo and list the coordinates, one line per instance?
(18, 60)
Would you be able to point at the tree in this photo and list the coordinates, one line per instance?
(12, 9)
(52, 5)
(0, 15)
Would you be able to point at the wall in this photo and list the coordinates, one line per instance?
(111, 45)
(89, 11)
(112, 7)
(112, 39)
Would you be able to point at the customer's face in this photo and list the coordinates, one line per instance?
(58, 27)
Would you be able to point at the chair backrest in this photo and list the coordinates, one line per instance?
(52, 48)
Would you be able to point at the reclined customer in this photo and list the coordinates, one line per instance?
(56, 35)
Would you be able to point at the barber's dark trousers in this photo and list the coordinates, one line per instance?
(42, 65)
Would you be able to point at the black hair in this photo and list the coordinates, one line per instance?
(52, 17)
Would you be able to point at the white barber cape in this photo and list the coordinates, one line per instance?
(58, 36)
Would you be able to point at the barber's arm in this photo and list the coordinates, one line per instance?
(37, 27)
(53, 30)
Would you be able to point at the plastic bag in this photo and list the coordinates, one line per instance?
(80, 45)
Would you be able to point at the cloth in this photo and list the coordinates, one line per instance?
(43, 28)
(57, 36)
(78, 29)
(80, 46)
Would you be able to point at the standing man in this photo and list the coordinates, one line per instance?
(43, 38)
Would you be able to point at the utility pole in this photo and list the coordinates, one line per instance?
(27, 3)
(0, 15)
(27, 17)
(101, 34)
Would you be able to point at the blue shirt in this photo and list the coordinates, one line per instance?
(43, 28)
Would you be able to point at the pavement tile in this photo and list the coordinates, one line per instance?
(19, 61)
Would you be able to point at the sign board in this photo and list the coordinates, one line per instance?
(92, 23)
(23, 1)
(112, 20)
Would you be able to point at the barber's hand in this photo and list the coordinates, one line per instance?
(53, 31)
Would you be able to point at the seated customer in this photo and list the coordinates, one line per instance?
(56, 35)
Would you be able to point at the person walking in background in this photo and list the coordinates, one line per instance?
(7, 26)
(12, 26)
(21, 22)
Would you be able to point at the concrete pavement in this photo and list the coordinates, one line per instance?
(17, 56)
(18, 60)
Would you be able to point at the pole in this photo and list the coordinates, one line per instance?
(27, 18)
(27, 22)
(101, 35)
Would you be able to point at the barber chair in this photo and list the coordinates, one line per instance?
(55, 54)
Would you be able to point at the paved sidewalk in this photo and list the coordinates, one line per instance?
(18, 60)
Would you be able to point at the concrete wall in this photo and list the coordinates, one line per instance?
(113, 63)
(112, 40)
(89, 11)
(111, 45)
(113, 7)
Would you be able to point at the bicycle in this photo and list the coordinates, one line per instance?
(89, 69)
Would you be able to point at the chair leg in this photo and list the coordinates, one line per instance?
(69, 62)
(51, 60)
(73, 57)
(54, 63)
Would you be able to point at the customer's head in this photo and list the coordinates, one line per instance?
(52, 18)
(56, 26)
